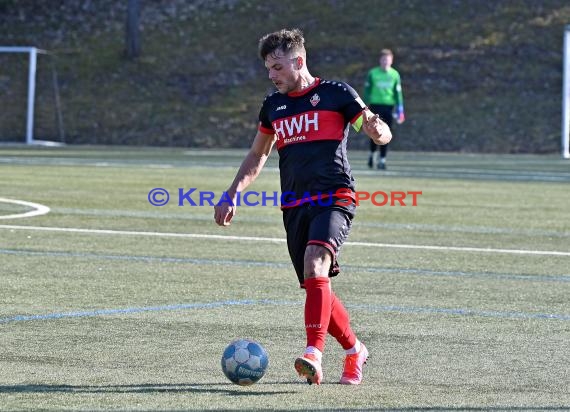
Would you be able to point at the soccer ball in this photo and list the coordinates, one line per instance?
(244, 362)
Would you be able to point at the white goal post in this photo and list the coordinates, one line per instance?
(32, 67)
(566, 94)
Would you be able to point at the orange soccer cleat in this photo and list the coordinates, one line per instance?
(309, 366)
(352, 373)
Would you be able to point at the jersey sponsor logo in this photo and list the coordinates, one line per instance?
(295, 125)
(309, 127)
(384, 84)
(281, 108)
(294, 139)
(315, 99)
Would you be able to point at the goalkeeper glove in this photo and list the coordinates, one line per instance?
(400, 117)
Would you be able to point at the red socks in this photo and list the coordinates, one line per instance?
(324, 312)
(317, 310)
(339, 325)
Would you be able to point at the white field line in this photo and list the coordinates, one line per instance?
(282, 240)
(38, 209)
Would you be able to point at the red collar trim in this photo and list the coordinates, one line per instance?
(305, 91)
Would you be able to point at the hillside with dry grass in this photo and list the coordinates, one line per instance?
(478, 76)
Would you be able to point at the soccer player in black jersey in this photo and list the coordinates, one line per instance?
(308, 119)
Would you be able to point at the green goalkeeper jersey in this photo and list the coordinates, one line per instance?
(383, 87)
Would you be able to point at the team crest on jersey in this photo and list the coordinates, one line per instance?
(315, 99)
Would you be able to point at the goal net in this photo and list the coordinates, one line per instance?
(29, 97)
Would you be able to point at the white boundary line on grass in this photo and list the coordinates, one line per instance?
(213, 305)
(281, 240)
(38, 209)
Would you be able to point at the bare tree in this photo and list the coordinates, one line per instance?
(132, 32)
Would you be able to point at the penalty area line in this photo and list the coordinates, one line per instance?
(281, 240)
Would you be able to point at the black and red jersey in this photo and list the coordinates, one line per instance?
(312, 127)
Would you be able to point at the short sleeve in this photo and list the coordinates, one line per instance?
(265, 125)
(351, 104)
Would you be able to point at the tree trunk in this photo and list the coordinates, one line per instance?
(132, 38)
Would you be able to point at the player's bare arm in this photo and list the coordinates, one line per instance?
(375, 128)
(249, 170)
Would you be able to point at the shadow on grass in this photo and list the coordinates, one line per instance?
(244, 391)
(141, 388)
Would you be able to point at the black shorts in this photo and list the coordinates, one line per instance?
(327, 226)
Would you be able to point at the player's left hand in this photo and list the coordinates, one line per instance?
(371, 122)
(375, 128)
(400, 117)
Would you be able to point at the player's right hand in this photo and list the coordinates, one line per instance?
(224, 213)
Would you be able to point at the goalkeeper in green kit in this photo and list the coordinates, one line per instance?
(383, 96)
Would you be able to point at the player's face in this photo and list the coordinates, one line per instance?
(283, 71)
(386, 61)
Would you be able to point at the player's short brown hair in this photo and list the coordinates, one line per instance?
(386, 52)
(285, 40)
